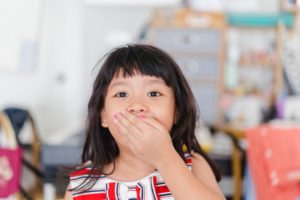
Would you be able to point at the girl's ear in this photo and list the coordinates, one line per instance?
(103, 118)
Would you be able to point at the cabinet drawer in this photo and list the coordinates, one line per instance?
(196, 40)
(207, 99)
(199, 68)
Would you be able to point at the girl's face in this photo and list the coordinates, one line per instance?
(142, 95)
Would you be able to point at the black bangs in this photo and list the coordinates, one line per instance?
(131, 60)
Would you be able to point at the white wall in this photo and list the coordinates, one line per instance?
(62, 56)
(74, 35)
(107, 27)
(52, 91)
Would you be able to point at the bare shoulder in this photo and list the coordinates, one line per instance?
(203, 172)
(200, 166)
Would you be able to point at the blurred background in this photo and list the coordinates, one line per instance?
(239, 56)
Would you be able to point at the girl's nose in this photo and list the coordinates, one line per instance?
(137, 107)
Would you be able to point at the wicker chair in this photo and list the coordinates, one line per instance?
(31, 174)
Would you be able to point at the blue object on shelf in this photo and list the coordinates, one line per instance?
(259, 20)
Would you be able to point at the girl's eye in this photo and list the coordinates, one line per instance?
(154, 94)
(121, 94)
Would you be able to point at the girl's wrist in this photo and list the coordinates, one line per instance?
(167, 159)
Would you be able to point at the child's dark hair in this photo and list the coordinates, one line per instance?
(100, 147)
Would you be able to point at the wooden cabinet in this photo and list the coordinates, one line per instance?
(196, 42)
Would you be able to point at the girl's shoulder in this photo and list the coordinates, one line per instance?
(194, 159)
(198, 159)
(203, 172)
(200, 165)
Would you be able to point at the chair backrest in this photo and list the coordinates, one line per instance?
(19, 117)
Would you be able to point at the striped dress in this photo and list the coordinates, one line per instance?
(151, 187)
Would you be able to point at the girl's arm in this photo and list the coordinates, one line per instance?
(203, 172)
(200, 184)
(68, 195)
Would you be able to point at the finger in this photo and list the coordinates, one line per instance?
(133, 119)
(127, 126)
(124, 132)
(154, 123)
(137, 121)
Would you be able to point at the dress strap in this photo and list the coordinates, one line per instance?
(188, 160)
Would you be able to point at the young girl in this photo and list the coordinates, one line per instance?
(140, 142)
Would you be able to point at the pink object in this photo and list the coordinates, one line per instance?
(274, 159)
(10, 166)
